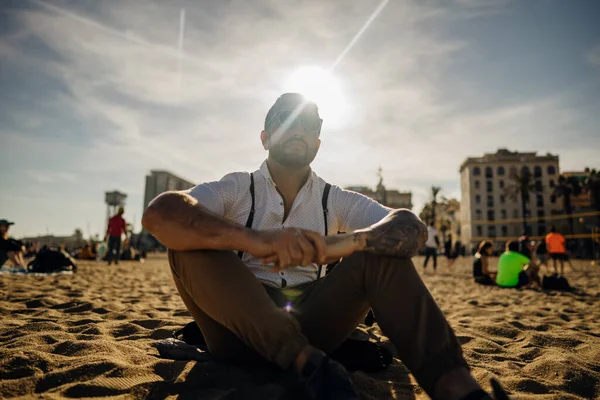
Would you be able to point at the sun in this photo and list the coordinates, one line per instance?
(323, 88)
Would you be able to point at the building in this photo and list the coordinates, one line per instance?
(391, 198)
(487, 212)
(161, 181)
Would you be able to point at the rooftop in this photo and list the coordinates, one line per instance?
(505, 155)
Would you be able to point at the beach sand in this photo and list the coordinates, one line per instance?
(91, 335)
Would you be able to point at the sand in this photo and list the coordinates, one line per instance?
(91, 335)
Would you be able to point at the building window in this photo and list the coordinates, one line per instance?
(477, 199)
(515, 213)
(489, 186)
(551, 183)
(479, 231)
(492, 231)
(553, 199)
(539, 200)
(525, 171)
(501, 183)
(478, 214)
(490, 201)
(502, 199)
(500, 171)
(476, 171)
(538, 186)
(541, 213)
(477, 184)
(551, 170)
(503, 214)
(488, 172)
(541, 230)
(537, 171)
(504, 231)
(490, 215)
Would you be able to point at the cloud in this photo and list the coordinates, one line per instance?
(114, 69)
(593, 56)
(51, 176)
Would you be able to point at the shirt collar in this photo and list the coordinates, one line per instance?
(264, 171)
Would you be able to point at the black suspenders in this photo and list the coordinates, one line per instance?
(251, 215)
(325, 213)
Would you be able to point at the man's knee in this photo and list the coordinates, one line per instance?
(193, 258)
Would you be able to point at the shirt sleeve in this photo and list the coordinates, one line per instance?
(218, 196)
(354, 210)
(523, 259)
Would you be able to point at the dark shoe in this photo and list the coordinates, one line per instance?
(328, 380)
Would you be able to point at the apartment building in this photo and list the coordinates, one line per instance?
(161, 181)
(487, 212)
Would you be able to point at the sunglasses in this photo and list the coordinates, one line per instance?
(310, 122)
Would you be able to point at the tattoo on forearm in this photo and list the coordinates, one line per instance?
(401, 234)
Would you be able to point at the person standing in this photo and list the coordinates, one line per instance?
(431, 245)
(116, 228)
(555, 244)
(450, 252)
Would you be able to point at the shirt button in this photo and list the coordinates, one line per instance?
(281, 203)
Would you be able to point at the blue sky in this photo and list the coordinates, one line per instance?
(94, 94)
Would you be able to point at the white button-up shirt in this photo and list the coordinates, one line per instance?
(230, 198)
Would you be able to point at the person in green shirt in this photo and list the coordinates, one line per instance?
(515, 269)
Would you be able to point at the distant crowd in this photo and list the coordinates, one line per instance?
(518, 266)
(112, 249)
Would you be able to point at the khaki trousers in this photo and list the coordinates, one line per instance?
(235, 312)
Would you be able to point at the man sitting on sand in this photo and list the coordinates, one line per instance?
(10, 249)
(284, 246)
(516, 270)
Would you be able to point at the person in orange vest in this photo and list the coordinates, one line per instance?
(116, 228)
(555, 244)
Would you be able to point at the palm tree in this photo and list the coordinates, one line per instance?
(566, 187)
(592, 186)
(435, 190)
(522, 186)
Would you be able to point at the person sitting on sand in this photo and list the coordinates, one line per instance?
(86, 253)
(516, 270)
(283, 246)
(10, 249)
(481, 273)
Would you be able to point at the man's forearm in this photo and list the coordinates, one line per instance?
(401, 234)
(179, 222)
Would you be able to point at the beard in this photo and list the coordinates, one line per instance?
(292, 159)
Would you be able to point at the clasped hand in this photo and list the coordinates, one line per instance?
(288, 247)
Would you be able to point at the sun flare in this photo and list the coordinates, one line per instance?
(323, 88)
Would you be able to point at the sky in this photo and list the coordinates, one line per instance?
(95, 94)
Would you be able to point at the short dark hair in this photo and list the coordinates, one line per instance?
(552, 229)
(288, 101)
(511, 245)
(483, 246)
